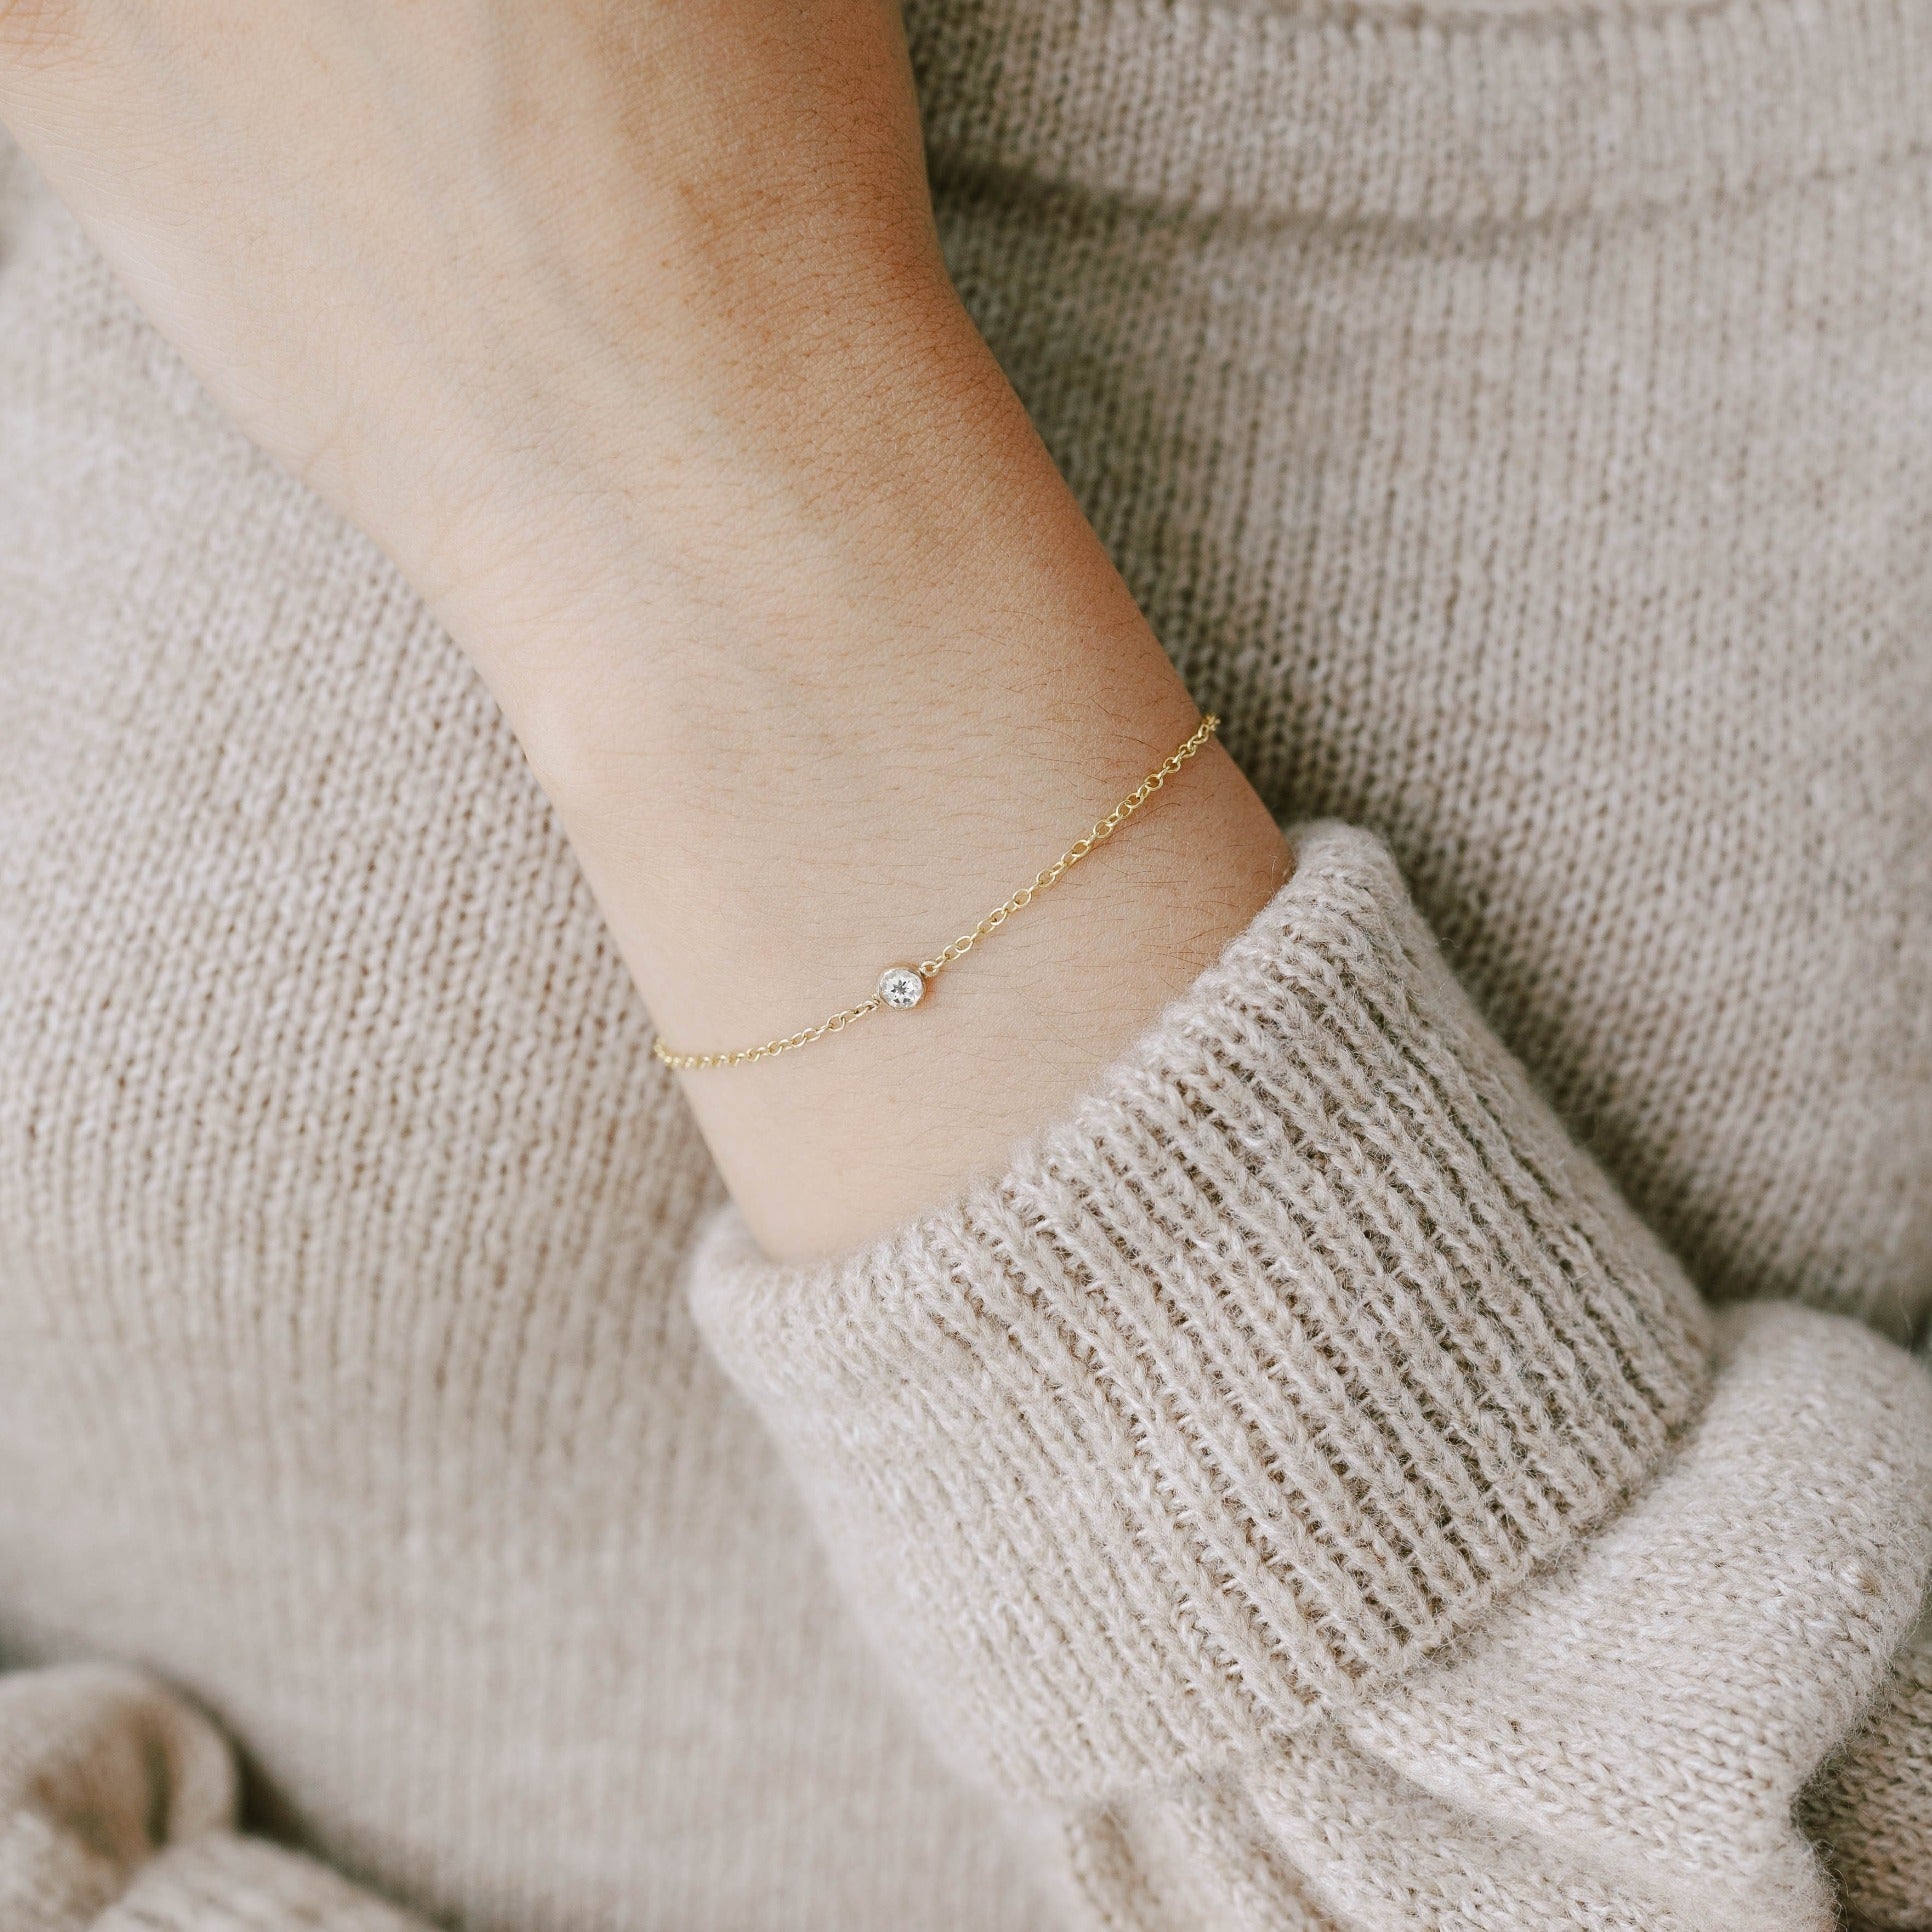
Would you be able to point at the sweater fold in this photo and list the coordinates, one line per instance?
(1476, 115)
(1304, 1338)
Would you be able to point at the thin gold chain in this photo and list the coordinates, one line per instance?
(929, 969)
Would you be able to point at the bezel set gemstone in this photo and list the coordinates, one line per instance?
(902, 987)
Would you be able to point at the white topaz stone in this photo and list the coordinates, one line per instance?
(901, 987)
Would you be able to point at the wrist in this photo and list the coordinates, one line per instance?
(815, 710)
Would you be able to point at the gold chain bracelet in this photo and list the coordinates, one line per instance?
(901, 988)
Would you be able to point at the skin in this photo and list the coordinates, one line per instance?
(622, 325)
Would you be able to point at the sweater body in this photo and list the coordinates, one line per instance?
(1518, 426)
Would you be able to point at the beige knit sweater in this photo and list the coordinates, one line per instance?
(1371, 1466)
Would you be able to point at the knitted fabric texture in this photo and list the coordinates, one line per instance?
(1515, 421)
(1300, 1341)
(98, 1770)
(117, 1808)
(1875, 1808)
(1496, 1790)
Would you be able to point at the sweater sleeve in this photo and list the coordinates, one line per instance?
(117, 1814)
(1872, 1805)
(1277, 1378)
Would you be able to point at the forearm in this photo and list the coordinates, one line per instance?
(624, 329)
(818, 718)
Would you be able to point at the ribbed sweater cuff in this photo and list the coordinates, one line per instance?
(1306, 1335)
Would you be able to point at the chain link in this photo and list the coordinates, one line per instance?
(928, 969)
